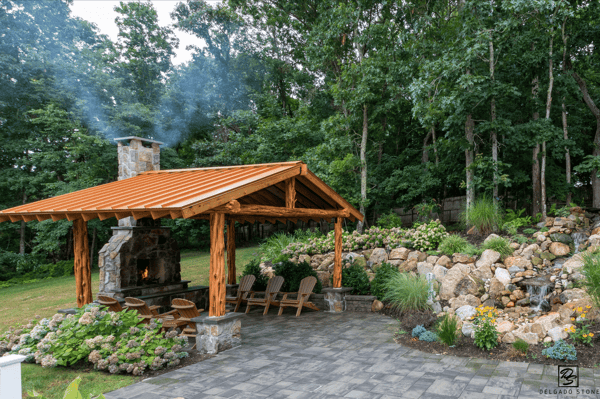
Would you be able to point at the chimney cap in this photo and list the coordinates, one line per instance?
(137, 138)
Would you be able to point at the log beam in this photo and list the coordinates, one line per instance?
(276, 212)
(231, 277)
(83, 277)
(216, 285)
(290, 193)
(337, 257)
(230, 207)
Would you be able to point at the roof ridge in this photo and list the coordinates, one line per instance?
(256, 165)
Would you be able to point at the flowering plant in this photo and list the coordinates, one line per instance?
(486, 335)
(581, 334)
(427, 236)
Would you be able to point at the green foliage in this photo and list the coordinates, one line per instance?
(111, 341)
(513, 221)
(293, 273)
(453, 243)
(520, 238)
(521, 345)
(428, 336)
(582, 333)
(275, 245)
(72, 392)
(591, 270)
(427, 236)
(389, 220)
(486, 335)
(407, 292)
(561, 351)
(382, 275)
(529, 231)
(426, 209)
(563, 212)
(50, 270)
(253, 268)
(498, 244)
(356, 277)
(484, 215)
(447, 332)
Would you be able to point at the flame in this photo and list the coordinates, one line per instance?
(145, 274)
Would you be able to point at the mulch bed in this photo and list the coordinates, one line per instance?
(587, 356)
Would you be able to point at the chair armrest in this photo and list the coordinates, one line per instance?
(153, 307)
(175, 313)
(285, 294)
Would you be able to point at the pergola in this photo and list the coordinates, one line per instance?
(285, 191)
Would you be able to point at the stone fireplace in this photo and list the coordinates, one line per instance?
(141, 259)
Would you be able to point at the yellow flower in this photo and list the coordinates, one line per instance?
(490, 314)
(572, 329)
(579, 309)
(572, 318)
(591, 334)
(567, 329)
(588, 306)
(584, 335)
(582, 316)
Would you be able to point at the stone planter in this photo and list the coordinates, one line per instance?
(359, 303)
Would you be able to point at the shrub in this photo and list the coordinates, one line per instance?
(356, 277)
(406, 292)
(293, 273)
(452, 244)
(274, 246)
(486, 335)
(483, 215)
(383, 274)
(14, 265)
(561, 351)
(520, 238)
(418, 330)
(389, 221)
(591, 270)
(529, 231)
(253, 268)
(521, 345)
(428, 336)
(111, 341)
(447, 333)
(427, 236)
(498, 244)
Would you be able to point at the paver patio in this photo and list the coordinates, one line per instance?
(350, 355)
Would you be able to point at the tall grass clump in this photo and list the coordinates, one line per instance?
(407, 292)
(591, 270)
(483, 215)
(452, 244)
(498, 244)
(447, 332)
(273, 247)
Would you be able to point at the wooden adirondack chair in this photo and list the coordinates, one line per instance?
(271, 291)
(148, 312)
(306, 287)
(187, 310)
(242, 293)
(111, 303)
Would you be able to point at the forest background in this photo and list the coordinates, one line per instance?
(393, 104)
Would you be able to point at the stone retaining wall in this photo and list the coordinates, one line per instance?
(359, 303)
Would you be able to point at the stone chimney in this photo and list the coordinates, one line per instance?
(137, 155)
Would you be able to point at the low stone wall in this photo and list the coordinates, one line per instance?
(359, 303)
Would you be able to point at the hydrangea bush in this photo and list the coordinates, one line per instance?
(427, 236)
(113, 341)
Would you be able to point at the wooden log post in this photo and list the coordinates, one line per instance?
(231, 277)
(337, 258)
(83, 277)
(216, 285)
(290, 193)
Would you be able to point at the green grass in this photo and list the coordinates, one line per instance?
(498, 244)
(591, 270)
(407, 292)
(52, 382)
(483, 215)
(273, 246)
(452, 244)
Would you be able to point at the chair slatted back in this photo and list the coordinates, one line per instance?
(307, 285)
(111, 303)
(274, 285)
(139, 305)
(186, 309)
(246, 284)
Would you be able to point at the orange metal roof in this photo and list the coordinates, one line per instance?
(175, 193)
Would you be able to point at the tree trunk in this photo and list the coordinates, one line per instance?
(437, 159)
(548, 106)
(596, 112)
(23, 230)
(425, 156)
(535, 169)
(469, 129)
(83, 279)
(494, 136)
(363, 167)
(564, 119)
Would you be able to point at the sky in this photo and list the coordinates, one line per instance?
(101, 13)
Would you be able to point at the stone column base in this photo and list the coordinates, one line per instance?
(217, 334)
(335, 298)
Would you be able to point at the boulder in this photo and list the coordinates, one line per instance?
(565, 313)
(538, 329)
(360, 261)
(376, 306)
(462, 258)
(562, 238)
(449, 283)
(483, 272)
(557, 333)
(324, 277)
(508, 338)
(432, 259)
(547, 256)
(399, 253)
(418, 256)
(505, 327)
(594, 240)
(531, 338)
(488, 257)
(496, 288)
(367, 253)
(470, 285)
(465, 312)
(491, 237)
(423, 268)
(511, 261)
(378, 256)
(572, 295)
(394, 262)
(503, 276)
(559, 249)
(408, 266)
(463, 300)
(439, 272)
(444, 261)
(304, 258)
(515, 269)
(574, 263)
(468, 329)
(549, 321)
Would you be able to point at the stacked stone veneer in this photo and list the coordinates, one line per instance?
(217, 334)
(131, 247)
(135, 158)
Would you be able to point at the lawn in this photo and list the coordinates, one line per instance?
(19, 304)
